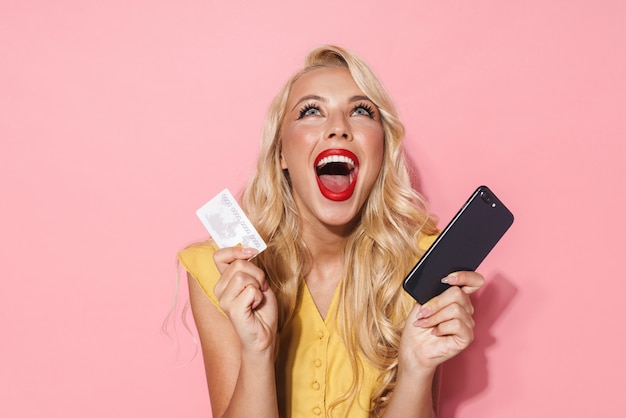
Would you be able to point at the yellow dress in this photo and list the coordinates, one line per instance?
(313, 366)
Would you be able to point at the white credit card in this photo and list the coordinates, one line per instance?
(228, 225)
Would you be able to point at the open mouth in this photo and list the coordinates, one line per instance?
(336, 171)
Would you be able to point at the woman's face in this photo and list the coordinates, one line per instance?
(332, 145)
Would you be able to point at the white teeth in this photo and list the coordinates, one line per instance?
(335, 159)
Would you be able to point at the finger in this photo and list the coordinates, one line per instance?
(469, 281)
(460, 332)
(251, 297)
(237, 275)
(241, 309)
(452, 312)
(453, 295)
(242, 292)
(225, 256)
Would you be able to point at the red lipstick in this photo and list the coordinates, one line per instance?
(336, 173)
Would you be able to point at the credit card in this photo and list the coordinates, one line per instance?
(228, 225)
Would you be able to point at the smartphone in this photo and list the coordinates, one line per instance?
(462, 245)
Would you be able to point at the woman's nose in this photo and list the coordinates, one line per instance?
(338, 128)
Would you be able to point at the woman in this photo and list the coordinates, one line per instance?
(318, 324)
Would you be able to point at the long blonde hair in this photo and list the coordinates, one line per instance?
(380, 250)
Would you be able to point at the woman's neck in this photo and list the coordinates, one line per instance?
(325, 244)
(327, 262)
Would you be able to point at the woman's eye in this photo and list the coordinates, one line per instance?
(309, 110)
(364, 110)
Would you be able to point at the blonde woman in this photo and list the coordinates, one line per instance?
(318, 324)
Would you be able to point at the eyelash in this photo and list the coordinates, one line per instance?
(368, 108)
(306, 108)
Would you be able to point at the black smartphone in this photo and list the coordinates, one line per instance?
(462, 245)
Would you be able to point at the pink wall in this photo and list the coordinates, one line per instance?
(118, 119)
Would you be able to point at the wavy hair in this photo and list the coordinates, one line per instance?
(381, 248)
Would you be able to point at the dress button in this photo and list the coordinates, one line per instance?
(316, 385)
(317, 362)
(317, 410)
(320, 334)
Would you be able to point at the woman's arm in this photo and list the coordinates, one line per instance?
(240, 377)
(434, 333)
(413, 396)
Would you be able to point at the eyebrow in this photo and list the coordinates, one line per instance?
(308, 97)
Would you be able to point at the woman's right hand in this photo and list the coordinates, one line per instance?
(246, 297)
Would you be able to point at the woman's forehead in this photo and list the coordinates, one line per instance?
(323, 82)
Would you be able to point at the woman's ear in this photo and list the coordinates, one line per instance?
(283, 163)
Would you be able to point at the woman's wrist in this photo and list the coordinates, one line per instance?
(413, 394)
(258, 357)
(416, 374)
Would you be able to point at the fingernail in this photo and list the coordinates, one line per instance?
(420, 322)
(249, 251)
(424, 312)
(451, 279)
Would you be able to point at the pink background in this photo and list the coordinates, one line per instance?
(118, 119)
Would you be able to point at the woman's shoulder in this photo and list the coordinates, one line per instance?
(424, 240)
(197, 260)
(197, 257)
(204, 247)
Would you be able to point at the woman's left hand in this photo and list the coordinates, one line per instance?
(442, 327)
